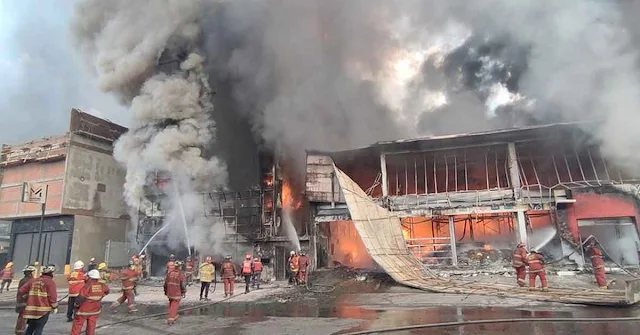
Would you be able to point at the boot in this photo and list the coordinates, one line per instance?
(115, 305)
(200, 298)
(225, 295)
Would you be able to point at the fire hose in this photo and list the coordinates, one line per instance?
(603, 250)
(150, 316)
(326, 289)
(482, 322)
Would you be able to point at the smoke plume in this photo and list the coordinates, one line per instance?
(335, 74)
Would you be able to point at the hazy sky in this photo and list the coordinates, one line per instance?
(42, 77)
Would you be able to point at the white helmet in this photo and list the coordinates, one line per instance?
(78, 265)
(94, 274)
(292, 253)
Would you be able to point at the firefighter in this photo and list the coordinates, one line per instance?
(129, 278)
(247, 272)
(92, 264)
(303, 264)
(597, 262)
(171, 262)
(20, 301)
(228, 274)
(105, 275)
(536, 269)
(88, 304)
(207, 274)
(519, 263)
(175, 289)
(138, 268)
(293, 267)
(257, 273)
(41, 300)
(7, 276)
(188, 267)
(76, 281)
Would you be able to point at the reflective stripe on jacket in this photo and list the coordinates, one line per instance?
(293, 263)
(41, 295)
(597, 260)
(129, 277)
(76, 282)
(536, 263)
(174, 285)
(228, 270)
(207, 272)
(91, 296)
(519, 257)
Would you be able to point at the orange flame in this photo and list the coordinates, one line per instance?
(268, 180)
(288, 199)
(487, 247)
(346, 247)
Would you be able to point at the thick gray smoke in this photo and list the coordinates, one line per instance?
(336, 74)
(171, 112)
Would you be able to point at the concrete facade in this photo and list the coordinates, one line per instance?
(85, 206)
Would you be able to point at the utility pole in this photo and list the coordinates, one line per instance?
(44, 206)
(36, 194)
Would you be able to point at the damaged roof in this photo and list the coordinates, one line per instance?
(522, 134)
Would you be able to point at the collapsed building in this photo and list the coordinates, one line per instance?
(465, 200)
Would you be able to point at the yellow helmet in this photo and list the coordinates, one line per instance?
(10, 264)
(102, 266)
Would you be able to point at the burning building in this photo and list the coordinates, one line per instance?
(465, 200)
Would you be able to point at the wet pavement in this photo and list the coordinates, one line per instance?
(337, 315)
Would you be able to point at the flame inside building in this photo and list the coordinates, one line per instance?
(466, 203)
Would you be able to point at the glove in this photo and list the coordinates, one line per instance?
(54, 311)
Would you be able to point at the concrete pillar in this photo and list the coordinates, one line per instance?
(522, 227)
(383, 171)
(514, 174)
(452, 235)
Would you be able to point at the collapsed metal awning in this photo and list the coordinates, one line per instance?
(381, 233)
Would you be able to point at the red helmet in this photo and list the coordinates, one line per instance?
(521, 244)
(247, 256)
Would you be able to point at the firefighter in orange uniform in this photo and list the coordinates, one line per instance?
(536, 269)
(129, 278)
(42, 299)
(20, 300)
(293, 267)
(138, 268)
(76, 281)
(188, 267)
(7, 276)
(257, 273)
(519, 263)
(228, 274)
(247, 272)
(171, 262)
(303, 264)
(175, 289)
(597, 262)
(88, 304)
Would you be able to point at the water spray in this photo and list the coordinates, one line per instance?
(290, 229)
(184, 220)
(151, 239)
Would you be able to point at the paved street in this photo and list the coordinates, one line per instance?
(277, 309)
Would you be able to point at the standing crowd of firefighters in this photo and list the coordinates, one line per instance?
(535, 261)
